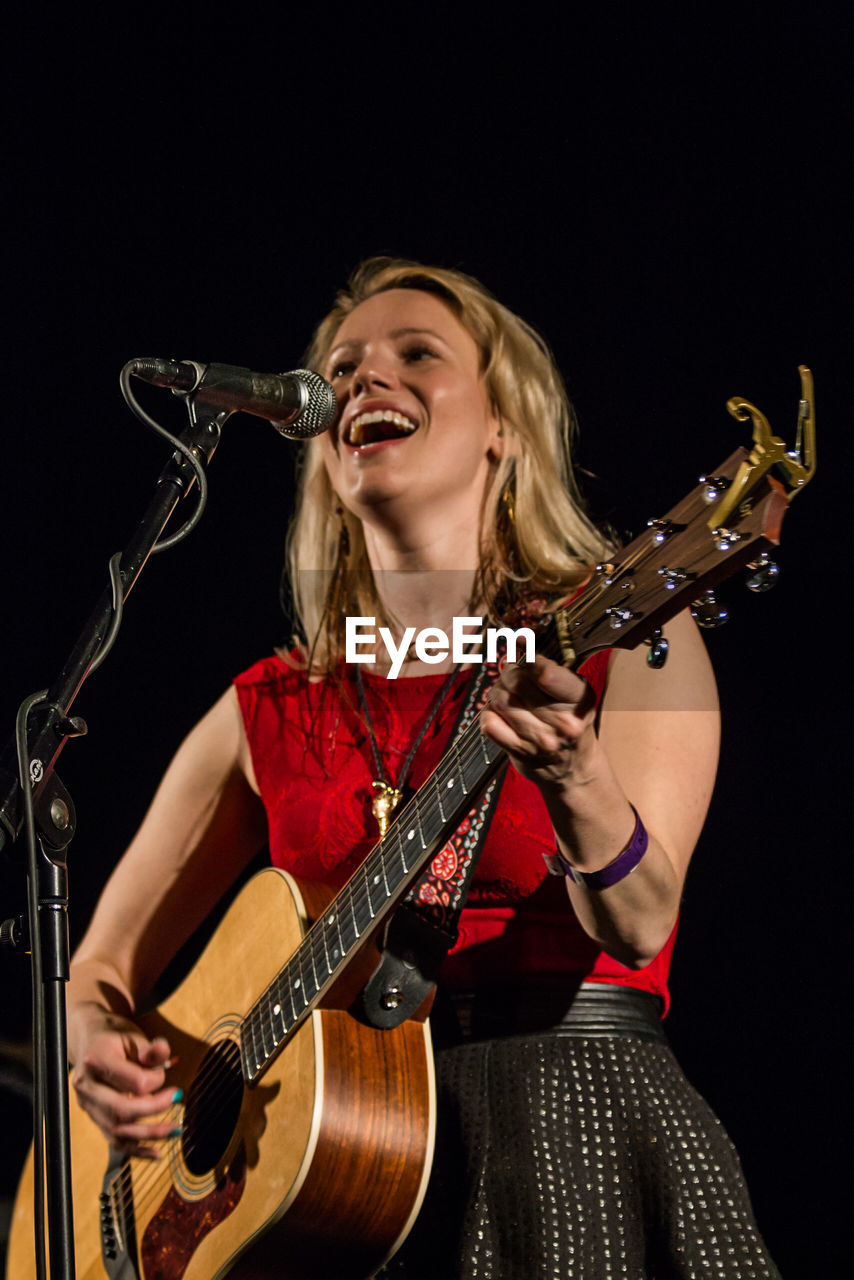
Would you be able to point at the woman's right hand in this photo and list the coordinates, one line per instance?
(120, 1080)
(202, 829)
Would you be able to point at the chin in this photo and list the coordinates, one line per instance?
(376, 493)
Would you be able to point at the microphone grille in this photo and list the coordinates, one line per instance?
(319, 411)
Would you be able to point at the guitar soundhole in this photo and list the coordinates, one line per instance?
(213, 1106)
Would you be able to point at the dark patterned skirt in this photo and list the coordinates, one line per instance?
(576, 1150)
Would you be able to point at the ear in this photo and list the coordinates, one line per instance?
(502, 440)
(496, 436)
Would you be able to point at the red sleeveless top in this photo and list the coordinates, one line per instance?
(313, 761)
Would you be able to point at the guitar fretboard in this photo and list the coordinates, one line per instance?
(418, 833)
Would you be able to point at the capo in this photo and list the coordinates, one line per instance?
(795, 467)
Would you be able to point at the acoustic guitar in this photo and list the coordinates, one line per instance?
(307, 1135)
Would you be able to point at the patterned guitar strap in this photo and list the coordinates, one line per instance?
(425, 926)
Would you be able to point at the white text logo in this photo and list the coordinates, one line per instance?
(433, 645)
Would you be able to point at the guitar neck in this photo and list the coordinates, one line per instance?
(420, 830)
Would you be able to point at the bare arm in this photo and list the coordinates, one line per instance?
(203, 826)
(656, 749)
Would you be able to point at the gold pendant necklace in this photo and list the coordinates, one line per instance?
(384, 803)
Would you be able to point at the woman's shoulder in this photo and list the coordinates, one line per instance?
(284, 670)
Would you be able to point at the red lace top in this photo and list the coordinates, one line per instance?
(313, 761)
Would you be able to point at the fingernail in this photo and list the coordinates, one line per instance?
(170, 1063)
(178, 1095)
(176, 1133)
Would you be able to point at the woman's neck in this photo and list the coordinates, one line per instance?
(422, 584)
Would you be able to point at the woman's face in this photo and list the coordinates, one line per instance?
(415, 425)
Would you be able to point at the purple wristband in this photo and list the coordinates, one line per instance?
(623, 864)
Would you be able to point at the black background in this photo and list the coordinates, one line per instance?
(665, 198)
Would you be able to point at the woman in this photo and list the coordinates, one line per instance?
(568, 1141)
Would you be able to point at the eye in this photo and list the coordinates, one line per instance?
(418, 353)
(341, 368)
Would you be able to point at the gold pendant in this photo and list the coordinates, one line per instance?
(384, 804)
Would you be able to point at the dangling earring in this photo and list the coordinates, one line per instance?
(508, 501)
(506, 531)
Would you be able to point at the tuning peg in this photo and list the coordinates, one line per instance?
(708, 612)
(765, 573)
(714, 486)
(658, 650)
(619, 616)
(725, 538)
(663, 530)
(672, 577)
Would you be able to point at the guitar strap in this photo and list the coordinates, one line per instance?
(425, 926)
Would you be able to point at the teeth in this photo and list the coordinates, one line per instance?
(355, 433)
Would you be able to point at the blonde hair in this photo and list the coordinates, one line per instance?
(536, 539)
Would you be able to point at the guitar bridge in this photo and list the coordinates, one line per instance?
(118, 1233)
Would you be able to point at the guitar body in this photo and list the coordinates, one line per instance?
(317, 1169)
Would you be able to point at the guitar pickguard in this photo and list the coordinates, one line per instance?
(179, 1226)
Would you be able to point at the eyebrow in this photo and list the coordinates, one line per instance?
(349, 343)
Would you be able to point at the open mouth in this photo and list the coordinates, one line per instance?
(379, 424)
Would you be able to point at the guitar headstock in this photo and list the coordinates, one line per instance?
(729, 520)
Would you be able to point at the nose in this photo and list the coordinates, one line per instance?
(373, 370)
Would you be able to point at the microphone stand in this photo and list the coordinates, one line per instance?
(54, 821)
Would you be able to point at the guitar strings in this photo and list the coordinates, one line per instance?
(214, 1078)
(357, 896)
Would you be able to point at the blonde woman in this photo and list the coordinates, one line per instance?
(569, 1143)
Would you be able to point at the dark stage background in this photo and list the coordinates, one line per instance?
(667, 204)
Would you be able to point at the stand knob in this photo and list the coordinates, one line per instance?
(15, 935)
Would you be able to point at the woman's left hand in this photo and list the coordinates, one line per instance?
(651, 748)
(544, 717)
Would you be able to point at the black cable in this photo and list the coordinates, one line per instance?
(162, 544)
(137, 409)
(118, 608)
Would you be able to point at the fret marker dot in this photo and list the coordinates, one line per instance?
(450, 782)
(376, 879)
(411, 834)
(330, 920)
(334, 953)
(296, 984)
(277, 1008)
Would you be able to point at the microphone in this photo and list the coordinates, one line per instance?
(298, 404)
